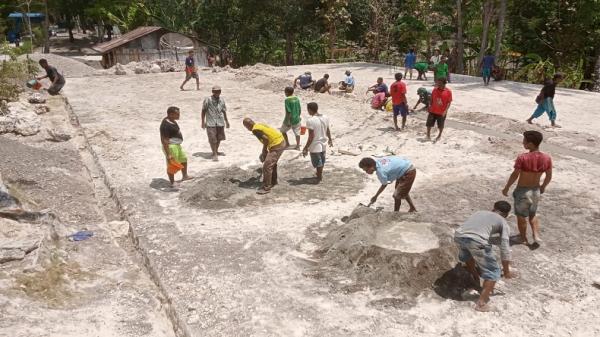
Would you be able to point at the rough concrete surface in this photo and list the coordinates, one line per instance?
(244, 269)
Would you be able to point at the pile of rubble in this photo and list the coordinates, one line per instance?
(22, 117)
(147, 67)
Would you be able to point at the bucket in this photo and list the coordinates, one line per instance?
(34, 84)
(303, 130)
(173, 167)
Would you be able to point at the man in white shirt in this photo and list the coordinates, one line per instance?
(435, 58)
(319, 136)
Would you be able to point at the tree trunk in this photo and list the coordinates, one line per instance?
(500, 29)
(460, 46)
(289, 48)
(597, 72)
(70, 28)
(488, 8)
(46, 28)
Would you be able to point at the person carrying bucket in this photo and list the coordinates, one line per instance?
(171, 139)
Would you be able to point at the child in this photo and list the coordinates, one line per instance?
(292, 117)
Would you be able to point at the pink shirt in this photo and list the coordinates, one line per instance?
(378, 100)
(535, 161)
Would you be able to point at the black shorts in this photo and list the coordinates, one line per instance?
(433, 118)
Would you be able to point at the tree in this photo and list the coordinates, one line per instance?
(459, 38)
(487, 12)
(500, 28)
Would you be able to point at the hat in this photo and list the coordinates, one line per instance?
(216, 88)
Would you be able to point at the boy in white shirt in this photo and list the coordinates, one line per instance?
(319, 136)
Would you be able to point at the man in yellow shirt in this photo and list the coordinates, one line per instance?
(273, 146)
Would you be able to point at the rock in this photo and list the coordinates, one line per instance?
(118, 229)
(120, 69)
(7, 201)
(57, 135)
(3, 107)
(155, 69)
(383, 250)
(41, 109)
(36, 98)
(21, 119)
(141, 68)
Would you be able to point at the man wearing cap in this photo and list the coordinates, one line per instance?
(214, 120)
(190, 71)
(305, 81)
(347, 84)
(273, 146)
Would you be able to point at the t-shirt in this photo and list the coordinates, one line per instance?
(378, 100)
(488, 61)
(409, 60)
(292, 111)
(440, 100)
(349, 80)
(274, 136)
(319, 124)
(390, 168)
(52, 74)
(482, 225)
(435, 59)
(398, 92)
(189, 64)
(421, 66)
(305, 80)
(549, 89)
(534, 161)
(214, 109)
(170, 129)
(441, 70)
(320, 84)
(383, 88)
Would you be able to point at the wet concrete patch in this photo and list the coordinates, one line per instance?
(236, 187)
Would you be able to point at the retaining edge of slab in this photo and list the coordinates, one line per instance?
(180, 328)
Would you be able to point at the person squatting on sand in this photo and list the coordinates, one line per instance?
(319, 135)
(389, 169)
(273, 147)
(305, 81)
(424, 97)
(378, 100)
(171, 139)
(545, 100)
(399, 104)
(379, 87)
(421, 68)
(441, 98)
(347, 84)
(58, 80)
(528, 169)
(214, 120)
(292, 119)
(475, 249)
(322, 86)
(190, 71)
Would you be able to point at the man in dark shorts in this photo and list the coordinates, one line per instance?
(304, 81)
(273, 146)
(322, 86)
(545, 100)
(214, 120)
(389, 169)
(441, 98)
(528, 170)
(190, 71)
(475, 249)
(171, 139)
(399, 105)
(58, 80)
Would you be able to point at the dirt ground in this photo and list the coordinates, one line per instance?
(235, 264)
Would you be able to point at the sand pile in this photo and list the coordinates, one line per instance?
(145, 67)
(67, 66)
(383, 250)
(235, 187)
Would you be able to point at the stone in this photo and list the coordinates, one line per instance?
(41, 109)
(3, 107)
(21, 119)
(118, 229)
(155, 69)
(57, 135)
(36, 98)
(120, 69)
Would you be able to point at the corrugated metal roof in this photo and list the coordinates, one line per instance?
(125, 38)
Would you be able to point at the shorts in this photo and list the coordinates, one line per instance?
(400, 109)
(433, 118)
(54, 89)
(526, 201)
(483, 256)
(404, 184)
(215, 134)
(317, 159)
(190, 75)
(306, 86)
(177, 152)
(486, 72)
(295, 128)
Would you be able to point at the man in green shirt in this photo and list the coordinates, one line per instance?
(421, 68)
(292, 117)
(441, 70)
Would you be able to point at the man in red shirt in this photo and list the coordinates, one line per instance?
(529, 168)
(398, 92)
(441, 97)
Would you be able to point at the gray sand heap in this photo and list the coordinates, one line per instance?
(385, 251)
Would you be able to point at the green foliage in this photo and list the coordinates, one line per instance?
(14, 73)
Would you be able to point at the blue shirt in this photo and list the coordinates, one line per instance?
(349, 80)
(391, 168)
(410, 60)
(189, 61)
(383, 88)
(488, 61)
